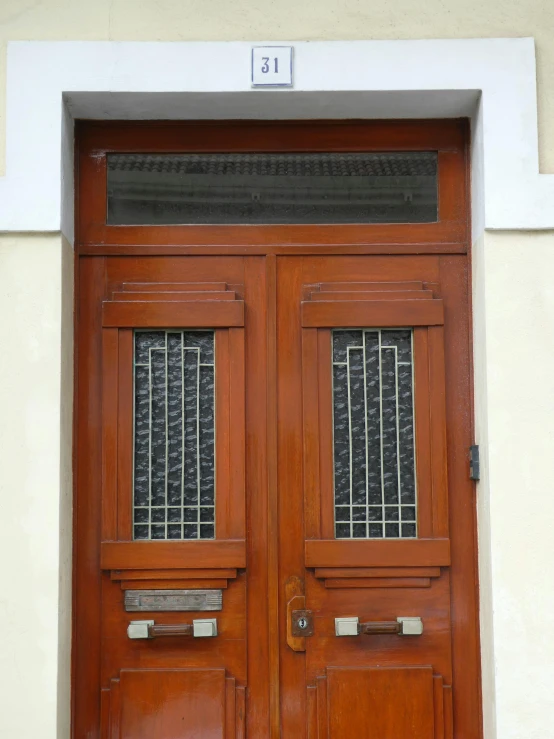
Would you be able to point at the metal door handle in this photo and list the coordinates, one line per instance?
(200, 627)
(403, 626)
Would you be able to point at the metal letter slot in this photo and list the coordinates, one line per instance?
(200, 627)
(173, 600)
(403, 626)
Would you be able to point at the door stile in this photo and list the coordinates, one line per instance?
(291, 471)
(464, 700)
(324, 430)
(438, 430)
(310, 412)
(110, 406)
(125, 451)
(273, 501)
(237, 410)
(257, 497)
(87, 515)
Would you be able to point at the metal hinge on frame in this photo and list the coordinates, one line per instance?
(474, 462)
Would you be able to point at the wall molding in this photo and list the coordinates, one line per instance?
(493, 81)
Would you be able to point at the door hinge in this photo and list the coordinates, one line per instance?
(474, 462)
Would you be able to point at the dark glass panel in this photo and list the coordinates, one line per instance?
(158, 189)
(174, 466)
(373, 431)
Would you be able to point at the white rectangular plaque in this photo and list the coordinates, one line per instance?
(272, 66)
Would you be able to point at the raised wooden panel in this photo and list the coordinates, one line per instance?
(370, 304)
(378, 582)
(169, 287)
(377, 553)
(174, 296)
(172, 314)
(165, 555)
(377, 577)
(379, 703)
(173, 704)
(192, 574)
(167, 305)
(323, 573)
(363, 313)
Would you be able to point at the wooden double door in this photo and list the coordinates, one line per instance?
(274, 517)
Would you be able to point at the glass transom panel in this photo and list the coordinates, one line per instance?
(334, 187)
(174, 435)
(373, 434)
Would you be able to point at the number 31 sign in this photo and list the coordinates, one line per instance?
(272, 66)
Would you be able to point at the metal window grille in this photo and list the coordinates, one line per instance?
(373, 434)
(174, 435)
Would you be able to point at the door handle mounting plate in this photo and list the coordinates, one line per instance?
(403, 626)
(200, 627)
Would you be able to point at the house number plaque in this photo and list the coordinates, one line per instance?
(272, 66)
(173, 600)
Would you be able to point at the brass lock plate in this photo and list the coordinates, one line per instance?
(302, 623)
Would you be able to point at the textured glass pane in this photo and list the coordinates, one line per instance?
(399, 187)
(174, 454)
(373, 429)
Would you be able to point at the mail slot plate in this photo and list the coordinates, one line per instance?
(173, 600)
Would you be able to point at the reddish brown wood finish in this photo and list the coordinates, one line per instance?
(138, 555)
(173, 314)
(377, 553)
(275, 466)
(372, 313)
(142, 705)
(304, 392)
(359, 703)
(446, 137)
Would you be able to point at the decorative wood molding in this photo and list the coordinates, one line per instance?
(167, 305)
(192, 574)
(377, 577)
(367, 304)
(377, 582)
(173, 579)
(166, 555)
(377, 553)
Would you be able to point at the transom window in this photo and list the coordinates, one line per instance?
(287, 188)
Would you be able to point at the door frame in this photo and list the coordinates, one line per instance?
(451, 235)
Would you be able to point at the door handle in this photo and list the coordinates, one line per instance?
(403, 626)
(200, 627)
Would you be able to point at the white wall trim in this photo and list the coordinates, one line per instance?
(491, 80)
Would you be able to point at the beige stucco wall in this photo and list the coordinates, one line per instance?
(35, 485)
(514, 352)
(183, 20)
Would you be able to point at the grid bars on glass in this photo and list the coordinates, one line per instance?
(373, 434)
(174, 435)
